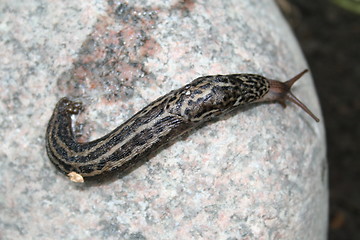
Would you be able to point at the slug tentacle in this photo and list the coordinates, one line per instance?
(281, 91)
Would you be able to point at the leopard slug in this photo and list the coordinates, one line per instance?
(161, 121)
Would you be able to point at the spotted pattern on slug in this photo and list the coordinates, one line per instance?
(210, 96)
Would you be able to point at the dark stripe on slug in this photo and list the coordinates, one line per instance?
(142, 138)
(205, 99)
(205, 86)
(196, 92)
(56, 149)
(168, 121)
(121, 153)
(221, 79)
(88, 168)
(56, 161)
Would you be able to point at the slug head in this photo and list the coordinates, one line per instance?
(281, 91)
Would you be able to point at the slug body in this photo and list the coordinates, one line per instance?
(162, 120)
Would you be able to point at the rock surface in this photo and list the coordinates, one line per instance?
(257, 174)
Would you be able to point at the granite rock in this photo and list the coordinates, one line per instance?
(260, 173)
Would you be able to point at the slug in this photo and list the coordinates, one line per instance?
(162, 120)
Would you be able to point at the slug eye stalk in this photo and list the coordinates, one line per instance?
(281, 91)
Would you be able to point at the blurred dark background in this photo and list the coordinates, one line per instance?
(330, 38)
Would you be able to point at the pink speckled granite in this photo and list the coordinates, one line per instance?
(257, 174)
